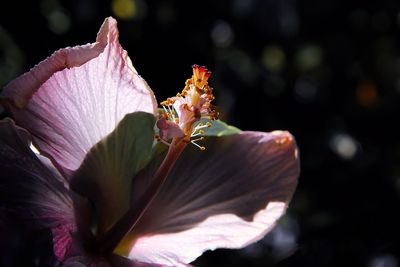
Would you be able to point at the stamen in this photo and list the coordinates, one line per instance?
(194, 101)
(200, 132)
(201, 126)
(200, 147)
(197, 139)
(166, 111)
(164, 142)
(159, 139)
(172, 114)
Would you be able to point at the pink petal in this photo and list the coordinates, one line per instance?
(105, 175)
(228, 196)
(77, 96)
(32, 193)
(119, 261)
(168, 129)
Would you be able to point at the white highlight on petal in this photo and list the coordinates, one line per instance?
(34, 149)
(219, 231)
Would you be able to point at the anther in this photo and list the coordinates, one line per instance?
(200, 147)
(166, 112)
(171, 112)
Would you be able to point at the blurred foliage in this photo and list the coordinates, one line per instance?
(328, 71)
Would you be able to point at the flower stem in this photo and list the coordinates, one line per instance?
(108, 242)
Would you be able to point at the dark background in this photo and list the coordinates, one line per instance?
(327, 71)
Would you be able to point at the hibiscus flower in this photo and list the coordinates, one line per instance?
(94, 174)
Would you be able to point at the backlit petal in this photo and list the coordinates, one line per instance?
(73, 99)
(227, 196)
(32, 193)
(108, 168)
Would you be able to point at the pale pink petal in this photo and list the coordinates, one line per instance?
(227, 196)
(168, 129)
(32, 193)
(73, 99)
(118, 261)
(217, 231)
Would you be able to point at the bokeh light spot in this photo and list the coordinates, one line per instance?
(273, 58)
(59, 22)
(58, 19)
(242, 8)
(308, 57)
(289, 19)
(166, 13)
(305, 89)
(279, 243)
(386, 260)
(222, 34)
(344, 146)
(243, 65)
(124, 9)
(367, 94)
(11, 58)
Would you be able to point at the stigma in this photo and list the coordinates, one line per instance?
(181, 114)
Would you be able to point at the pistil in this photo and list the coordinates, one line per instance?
(177, 125)
(109, 241)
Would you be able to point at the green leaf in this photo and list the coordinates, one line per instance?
(219, 128)
(106, 174)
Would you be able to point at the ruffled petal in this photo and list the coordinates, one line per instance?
(31, 193)
(77, 96)
(227, 196)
